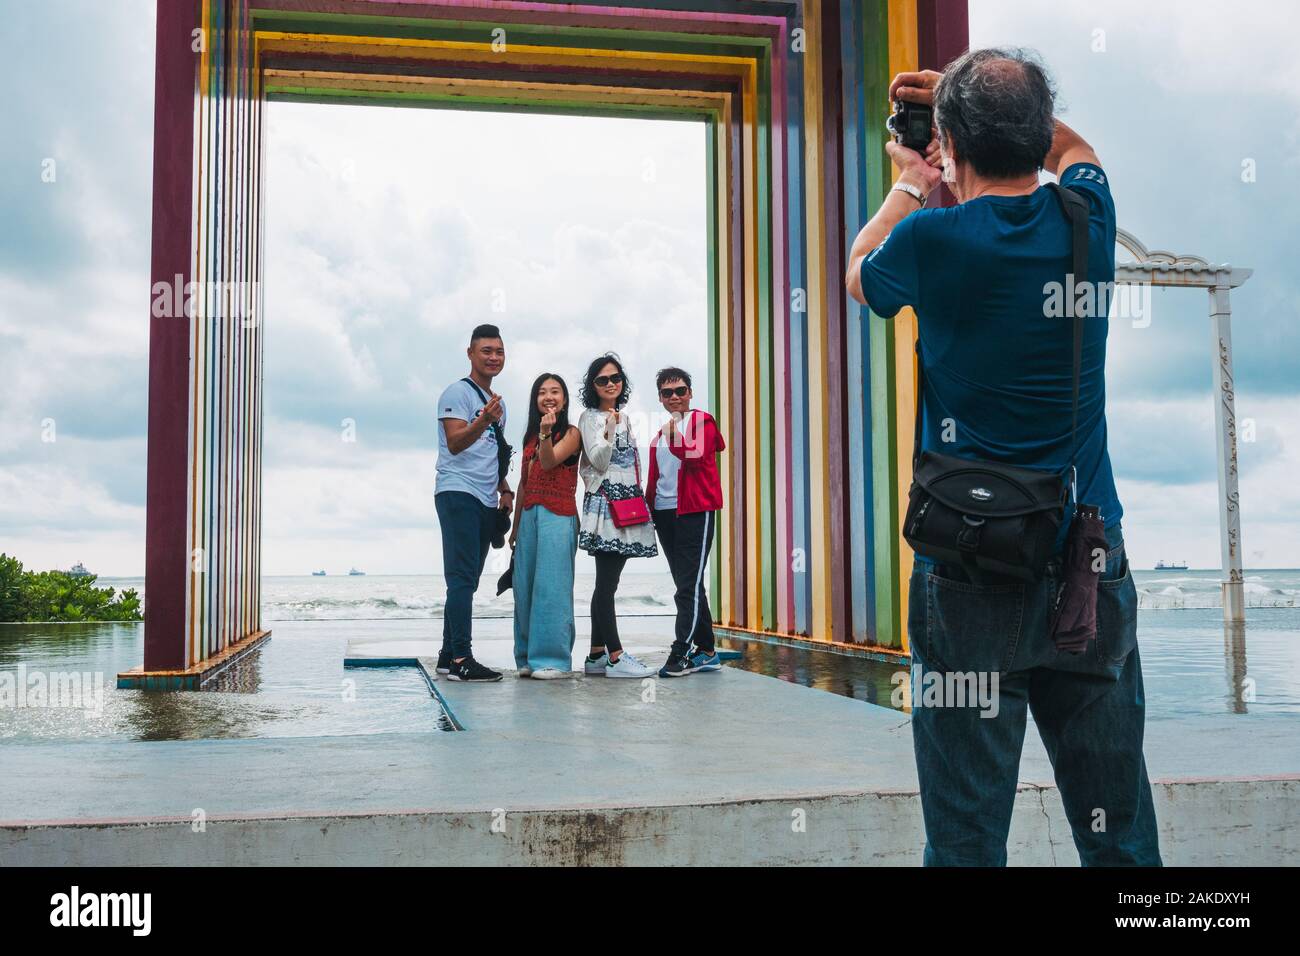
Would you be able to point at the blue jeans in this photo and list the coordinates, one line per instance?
(1089, 709)
(467, 525)
(543, 586)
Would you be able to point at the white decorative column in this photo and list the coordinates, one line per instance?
(1225, 422)
(1161, 268)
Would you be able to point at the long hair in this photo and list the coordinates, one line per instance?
(534, 426)
(590, 399)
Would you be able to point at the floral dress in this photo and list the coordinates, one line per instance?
(609, 470)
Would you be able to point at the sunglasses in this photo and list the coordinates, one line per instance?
(603, 380)
(680, 391)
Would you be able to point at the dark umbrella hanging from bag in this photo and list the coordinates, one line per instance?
(1074, 621)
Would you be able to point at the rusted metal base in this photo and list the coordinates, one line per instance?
(874, 652)
(199, 675)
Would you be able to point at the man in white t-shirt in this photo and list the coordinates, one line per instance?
(470, 493)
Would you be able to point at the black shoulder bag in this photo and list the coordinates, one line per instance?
(503, 469)
(503, 448)
(988, 516)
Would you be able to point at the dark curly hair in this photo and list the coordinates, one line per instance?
(588, 394)
(996, 107)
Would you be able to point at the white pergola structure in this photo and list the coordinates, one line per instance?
(1160, 268)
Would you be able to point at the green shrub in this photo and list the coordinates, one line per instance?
(33, 596)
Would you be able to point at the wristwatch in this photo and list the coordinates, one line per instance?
(911, 191)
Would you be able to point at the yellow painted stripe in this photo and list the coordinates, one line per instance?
(270, 41)
(819, 558)
(277, 80)
(903, 57)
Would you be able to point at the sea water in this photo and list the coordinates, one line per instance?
(371, 597)
(296, 685)
(398, 596)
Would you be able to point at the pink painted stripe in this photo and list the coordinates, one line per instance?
(553, 12)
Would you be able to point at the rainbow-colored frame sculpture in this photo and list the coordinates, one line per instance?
(815, 396)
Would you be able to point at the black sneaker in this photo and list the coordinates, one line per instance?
(678, 665)
(471, 670)
(444, 662)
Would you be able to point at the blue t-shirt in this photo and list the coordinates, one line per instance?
(475, 469)
(997, 360)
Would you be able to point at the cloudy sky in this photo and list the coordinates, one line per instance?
(392, 232)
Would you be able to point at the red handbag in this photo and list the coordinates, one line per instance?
(628, 512)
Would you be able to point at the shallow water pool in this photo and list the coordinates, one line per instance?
(294, 686)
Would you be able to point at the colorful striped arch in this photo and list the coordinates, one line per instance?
(815, 396)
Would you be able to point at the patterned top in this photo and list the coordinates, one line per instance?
(610, 470)
(554, 490)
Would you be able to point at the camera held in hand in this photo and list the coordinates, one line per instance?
(911, 124)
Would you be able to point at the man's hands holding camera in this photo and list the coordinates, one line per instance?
(915, 87)
(921, 170)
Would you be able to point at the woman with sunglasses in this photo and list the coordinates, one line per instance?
(611, 471)
(545, 535)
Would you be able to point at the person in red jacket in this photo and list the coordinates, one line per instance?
(684, 494)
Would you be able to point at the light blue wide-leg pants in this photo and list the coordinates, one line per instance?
(543, 586)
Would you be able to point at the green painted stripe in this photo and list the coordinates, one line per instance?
(883, 409)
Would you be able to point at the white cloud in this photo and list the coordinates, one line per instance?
(390, 230)
(385, 248)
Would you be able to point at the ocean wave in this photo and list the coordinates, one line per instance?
(1174, 598)
(647, 600)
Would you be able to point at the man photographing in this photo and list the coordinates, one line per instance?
(998, 389)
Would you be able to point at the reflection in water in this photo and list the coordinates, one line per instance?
(294, 685)
(1240, 688)
(244, 676)
(857, 677)
(1187, 656)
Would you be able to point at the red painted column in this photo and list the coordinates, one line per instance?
(166, 560)
(943, 34)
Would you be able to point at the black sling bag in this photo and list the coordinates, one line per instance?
(988, 516)
(503, 448)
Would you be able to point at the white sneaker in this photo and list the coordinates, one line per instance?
(525, 672)
(596, 667)
(549, 673)
(627, 666)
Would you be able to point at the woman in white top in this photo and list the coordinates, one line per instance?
(610, 467)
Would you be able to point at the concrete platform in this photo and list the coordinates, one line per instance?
(722, 768)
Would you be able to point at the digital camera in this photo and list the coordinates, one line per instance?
(910, 123)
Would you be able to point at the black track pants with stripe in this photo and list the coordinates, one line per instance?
(686, 540)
